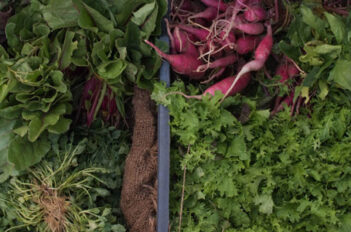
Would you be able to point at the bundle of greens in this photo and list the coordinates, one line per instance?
(70, 60)
(75, 188)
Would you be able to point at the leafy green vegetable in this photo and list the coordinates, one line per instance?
(85, 170)
(318, 43)
(268, 174)
(54, 48)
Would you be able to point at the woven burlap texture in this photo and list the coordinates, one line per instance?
(139, 191)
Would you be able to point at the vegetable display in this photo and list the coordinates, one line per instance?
(70, 61)
(259, 104)
(269, 150)
(67, 73)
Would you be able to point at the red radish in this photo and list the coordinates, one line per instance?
(221, 62)
(218, 4)
(249, 28)
(265, 46)
(201, 22)
(214, 75)
(255, 2)
(224, 85)
(261, 55)
(186, 5)
(182, 43)
(289, 100)
(199, 33)
(286, 71)
(227, 41)
(255, 14)
(231, 37)
(282, 71)
(292, 70)
(246, 44)
(181, 63)
(209, 14)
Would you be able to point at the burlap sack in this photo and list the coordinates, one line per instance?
(139, 190)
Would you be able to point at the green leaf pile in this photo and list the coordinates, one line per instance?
(53, 47)
(267, 174)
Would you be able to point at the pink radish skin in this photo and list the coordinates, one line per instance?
(209, 14)
(199, 33)
(182, 43)
(217, 4)
(231, 37)
(246, 44)
(181, 63)
(230, 40)
(282, 71)
(221, 62)
(250, 28)
(201, 21)
(186, 5)
(289, 100)
(255, 14)
(224, 85)
(265, 46)
(292, 70)
(261, 55)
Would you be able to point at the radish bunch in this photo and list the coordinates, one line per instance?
(212, 39)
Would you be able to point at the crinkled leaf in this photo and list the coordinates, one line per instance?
(265, 203)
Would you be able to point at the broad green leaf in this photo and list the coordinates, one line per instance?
(100, 21)
(336, 26)
(162, 10)
(150, 24)
(60, 14)
(6, 127)
(21, 131)
(69, 46)
(112, 69)
(143, 13)
(312, 20)
(125, 9)
(24, 154)
(61, 126)
(341, 74)
(12, 40)
(38, 125)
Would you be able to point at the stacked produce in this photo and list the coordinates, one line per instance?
(259, 104)
(67, 73)
(275, 156)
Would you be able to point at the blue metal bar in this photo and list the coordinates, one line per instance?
(164, 143)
